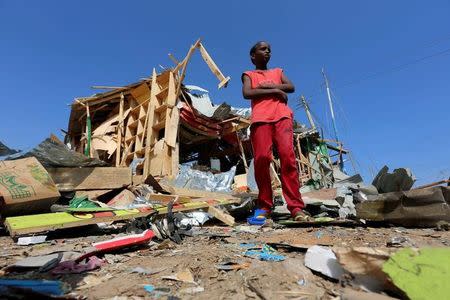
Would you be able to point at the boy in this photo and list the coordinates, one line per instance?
(272, 123)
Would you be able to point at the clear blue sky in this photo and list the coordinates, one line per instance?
(53, 51)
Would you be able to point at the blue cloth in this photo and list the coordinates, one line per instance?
(265, 253)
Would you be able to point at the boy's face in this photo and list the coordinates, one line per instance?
(262, 54)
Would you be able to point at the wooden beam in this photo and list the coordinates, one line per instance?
(98, 178)
(241, 148)
(433, 184)
(221, 215)
(107, 87)
(183, 65)
(213, 67)
(150, 137)
(171, 132)
(175, 61)
(119, 131)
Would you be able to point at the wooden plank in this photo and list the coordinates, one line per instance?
(156, 158)
(171, 132)
(213, 67)
(123, 199)
(183, 66)
(171, 94)
(221, 215)
(150, 137)
(73, 179)
(175, 160)
(119, 130)
(200, 193)
(92, 194)
(167, 160)
(52, 221)
(165, 199)
(241, 148)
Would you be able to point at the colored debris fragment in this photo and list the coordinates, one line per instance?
(420, 273)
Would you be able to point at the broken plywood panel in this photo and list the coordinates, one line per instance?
(73, 179)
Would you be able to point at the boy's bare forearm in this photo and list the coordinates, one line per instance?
(285, 87)
(258, 92)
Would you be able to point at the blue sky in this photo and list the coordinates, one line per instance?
(392, 107)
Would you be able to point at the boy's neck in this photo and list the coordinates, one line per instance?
(261, 67)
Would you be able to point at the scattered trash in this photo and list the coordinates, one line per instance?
(74, 267)
(42, 263)
(123, 242)
(420, 273)
(324, 261)
(247, 229)
(264, 253)
(349, 294)
(230, 265)
(442, 226)
(195, 218)
(94, 280)
(301, 282)
(365, 264)
(156, 291)
(183, 276)
(149, 288)
(399, 241)
(31, 240)
(143, 271)
(46, 287)
(192, 290)
(318, 234)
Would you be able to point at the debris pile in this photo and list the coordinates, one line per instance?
(149, 169)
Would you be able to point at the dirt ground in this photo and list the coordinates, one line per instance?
(201, 253)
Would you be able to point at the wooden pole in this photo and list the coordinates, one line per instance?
(241, 148)
(119, 130)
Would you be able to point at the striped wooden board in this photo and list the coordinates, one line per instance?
(31, 224)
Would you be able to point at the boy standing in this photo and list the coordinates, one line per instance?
(272, 123)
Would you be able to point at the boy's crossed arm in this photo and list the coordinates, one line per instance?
(265, 89)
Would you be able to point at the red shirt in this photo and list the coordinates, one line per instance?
(268, 108)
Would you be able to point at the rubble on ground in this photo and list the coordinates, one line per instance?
(148, 194)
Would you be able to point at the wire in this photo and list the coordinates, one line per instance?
(397, 68)
(390, 70)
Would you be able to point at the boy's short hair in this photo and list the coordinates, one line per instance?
(253, 49)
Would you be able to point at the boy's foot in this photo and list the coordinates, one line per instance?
(302, 216)
(259, 217)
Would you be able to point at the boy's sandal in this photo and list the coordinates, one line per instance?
(302, 216)
(259, 217)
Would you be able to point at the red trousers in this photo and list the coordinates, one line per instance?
(263, 136)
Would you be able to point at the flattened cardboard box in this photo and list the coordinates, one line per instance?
(25, 187)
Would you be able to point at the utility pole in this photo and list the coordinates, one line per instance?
(331, 104)
(308, 113)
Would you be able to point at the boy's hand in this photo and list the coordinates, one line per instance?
(283, 96)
